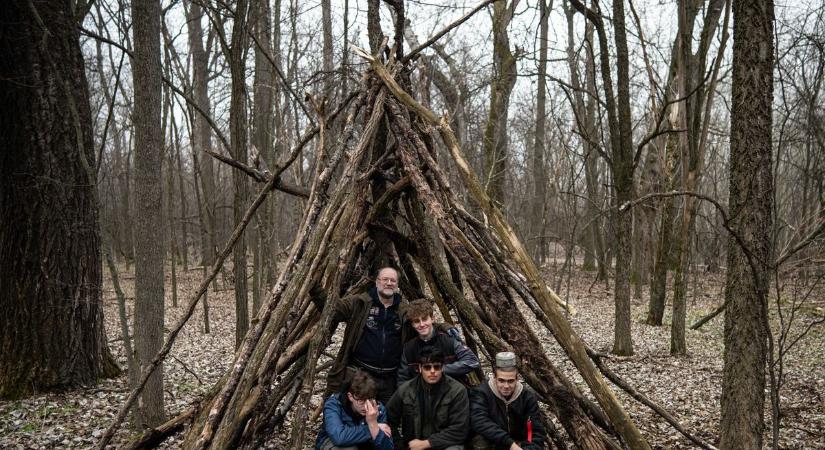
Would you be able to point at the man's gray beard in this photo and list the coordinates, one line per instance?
(383, 293)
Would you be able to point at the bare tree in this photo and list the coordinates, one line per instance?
(201, 133)
(537, 218)
(693, 142)
(201, 139)
(501, 86)
(51, 317)
(326, 26)
(585, 114)
(750, 249)
(149, 289)
(238, 132)
(621, 160)
(263, 121)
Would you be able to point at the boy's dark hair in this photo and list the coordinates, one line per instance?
(419, 308)
(362, 385)
(430, 355)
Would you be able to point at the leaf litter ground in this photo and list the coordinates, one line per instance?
(688, 387)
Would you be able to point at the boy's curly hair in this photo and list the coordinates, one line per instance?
(418, 308)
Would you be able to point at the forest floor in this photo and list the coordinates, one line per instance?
(688, 387)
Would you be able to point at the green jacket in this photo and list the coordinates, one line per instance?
(354, 310)
(450, 421)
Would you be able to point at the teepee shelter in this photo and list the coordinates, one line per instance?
(380, 196)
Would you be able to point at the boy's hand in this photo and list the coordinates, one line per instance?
(419, 444)
(371, 413)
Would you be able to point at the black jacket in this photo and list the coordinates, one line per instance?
(502, 423)
(448, 421)
(354, 309)
(459, 360)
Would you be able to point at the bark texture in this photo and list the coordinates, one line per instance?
(751, 204)
(149, 251)
(504, 79)
(51, 317)
(237, 129)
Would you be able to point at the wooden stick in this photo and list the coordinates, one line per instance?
(641, 398)
(155, 436)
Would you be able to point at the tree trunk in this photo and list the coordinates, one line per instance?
(201, 133)
(691, 69)
(263, 122)
(149, 252)
(751, 205)
(173, 249)
(133, 374)
(658, 282)
(503, 81)
(538, 168)
(237, 126)
(182, 196)
(326, 26)
(591, 160)
(623, 167)
(51, 317)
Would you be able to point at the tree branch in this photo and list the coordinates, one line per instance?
(446, 30)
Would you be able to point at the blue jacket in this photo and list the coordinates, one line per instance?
(342, 430)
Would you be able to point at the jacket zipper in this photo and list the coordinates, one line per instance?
(383, 332)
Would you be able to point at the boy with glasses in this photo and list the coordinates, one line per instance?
(459, 361)
(353, 419)
(504, 412)
(431, 410)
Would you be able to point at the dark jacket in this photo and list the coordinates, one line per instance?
(458, 359)
(449, 419)
(354, 310)
(345, 430)
(503, 422)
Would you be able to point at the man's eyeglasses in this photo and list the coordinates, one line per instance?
(430, 367)
(388, 280)
(358, 401)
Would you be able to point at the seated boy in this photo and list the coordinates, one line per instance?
(459, 361)
(353, 419)
(430, 410)
(504, 412)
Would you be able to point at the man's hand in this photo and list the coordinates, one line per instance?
(418, 444)
(515, 446)
(371, 413)
(386, 429)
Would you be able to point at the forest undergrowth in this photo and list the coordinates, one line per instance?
(688, 387)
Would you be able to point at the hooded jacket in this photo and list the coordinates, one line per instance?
(504, 421)
(448, 417)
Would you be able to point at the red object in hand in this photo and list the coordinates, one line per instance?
(529, 430)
